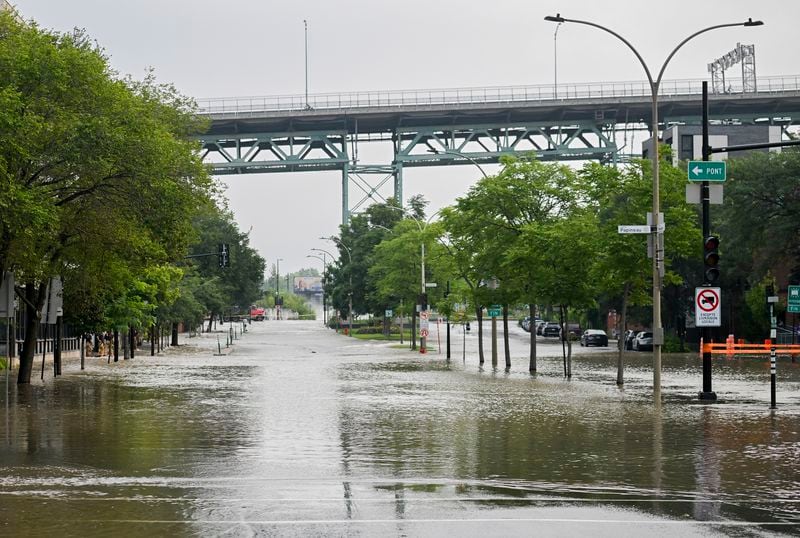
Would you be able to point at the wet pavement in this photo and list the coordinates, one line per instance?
(303, 432)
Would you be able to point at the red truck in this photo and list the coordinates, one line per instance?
(257, 313)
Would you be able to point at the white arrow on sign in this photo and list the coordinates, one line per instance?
(696, 170)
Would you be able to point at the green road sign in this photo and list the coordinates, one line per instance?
(793, 309)
(494, 310)
(707, 171)
(794, 297)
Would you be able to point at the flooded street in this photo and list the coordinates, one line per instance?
(303, 432)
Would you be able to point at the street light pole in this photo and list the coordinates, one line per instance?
(350, 276)
(555, 61)
(658, 330)
(324, 268)
(277, 286)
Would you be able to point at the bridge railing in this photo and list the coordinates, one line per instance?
(235, 106)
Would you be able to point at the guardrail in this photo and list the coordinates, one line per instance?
(463, 96)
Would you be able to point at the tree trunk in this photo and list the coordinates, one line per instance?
(132, 336)
(532, 362)
(505, 336)
(116, 345)
(174, 335)
(413, 331)
(126, 341)
(57, 346)
(34, 296)
(152, 340)
(569, 343)
(479, 314)
(561, 337)
(210, 321)
(623, 323)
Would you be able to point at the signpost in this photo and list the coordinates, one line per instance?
(707, 171)
(707, 311)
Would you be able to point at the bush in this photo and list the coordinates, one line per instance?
(672, 344)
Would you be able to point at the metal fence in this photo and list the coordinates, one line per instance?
(465, 96)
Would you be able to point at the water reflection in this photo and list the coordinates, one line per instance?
(302, 432)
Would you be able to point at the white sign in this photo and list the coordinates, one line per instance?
(707, 310)
(423, 322)
(633, 229)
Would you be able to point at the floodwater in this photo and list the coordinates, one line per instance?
(303, 432)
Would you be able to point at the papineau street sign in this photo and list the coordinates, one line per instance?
(707, 171)
(707, 311)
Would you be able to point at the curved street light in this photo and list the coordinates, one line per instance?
(658, 330)
(462, 155)
(350, 275)
(324, 268)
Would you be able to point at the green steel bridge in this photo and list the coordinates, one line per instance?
(464, 126)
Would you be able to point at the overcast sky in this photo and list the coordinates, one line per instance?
(255, 47)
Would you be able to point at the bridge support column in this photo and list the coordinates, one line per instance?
(345, 193)
(398, 182)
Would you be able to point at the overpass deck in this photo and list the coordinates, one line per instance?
(461, 125)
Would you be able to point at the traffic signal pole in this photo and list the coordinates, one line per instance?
(707, 393)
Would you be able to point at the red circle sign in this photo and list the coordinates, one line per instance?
(707, 300)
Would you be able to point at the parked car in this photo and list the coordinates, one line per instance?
(643, 341)
(525, 323)
(540, 326)
(551, 329)
(531, 325)
(574, 330)
(594, 337)
(628, 337)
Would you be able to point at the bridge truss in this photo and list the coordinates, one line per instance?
(455, 127)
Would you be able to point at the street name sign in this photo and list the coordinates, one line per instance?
(494, 310)
(633, 229)
(707, 171)
(707, 310)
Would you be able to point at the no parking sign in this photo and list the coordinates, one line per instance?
(707, 311)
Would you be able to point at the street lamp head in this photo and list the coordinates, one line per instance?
(751, 22)
(557, 18)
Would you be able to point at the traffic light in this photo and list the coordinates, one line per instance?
(224, 255)
(711, 258)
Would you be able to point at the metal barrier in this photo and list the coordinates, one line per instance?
(462, 96)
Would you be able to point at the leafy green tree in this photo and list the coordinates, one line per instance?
(490, 219)
(90, 166)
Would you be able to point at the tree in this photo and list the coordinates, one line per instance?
(491, 219)
(92, 167)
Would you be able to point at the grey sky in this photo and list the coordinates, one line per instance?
(251, 47)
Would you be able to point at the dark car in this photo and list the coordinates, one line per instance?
(574, 330)
(643, 341)
(594, 337)
(540, 326)
(551, 329)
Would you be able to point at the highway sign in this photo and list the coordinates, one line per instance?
(707, 171)
(794, 295)
(793, 309)
(707, 311)
(494, 310)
